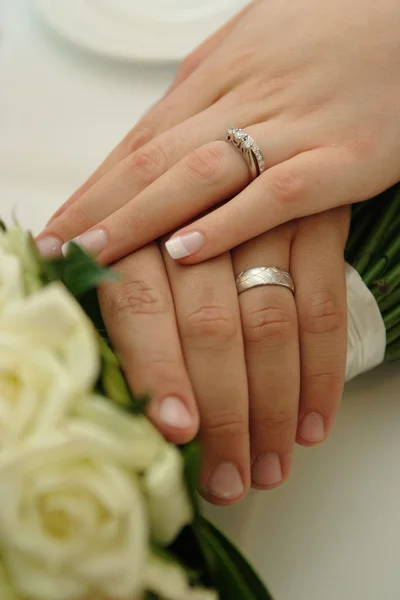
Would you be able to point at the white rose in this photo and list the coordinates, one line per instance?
(19, 243)
(170, 581)
(11, 284)
(7, 590)
(51, 318)
(73, 522)
(131, 440)
(167, 496)
(34, 389)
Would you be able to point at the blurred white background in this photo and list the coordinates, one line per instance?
(333, 531)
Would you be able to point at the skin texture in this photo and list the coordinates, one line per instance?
(250, 369)
(316, 84)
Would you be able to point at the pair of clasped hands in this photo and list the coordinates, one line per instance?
(317, 85)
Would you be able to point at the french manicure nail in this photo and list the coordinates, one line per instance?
(312, 428)
(185, 245)
(266, 469)
(49, 247)
(226, 482)
(92, 241)
(174, 413)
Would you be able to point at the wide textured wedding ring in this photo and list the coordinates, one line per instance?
(259, 276)
(248, 149)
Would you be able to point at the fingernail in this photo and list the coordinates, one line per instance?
(312, 428)
(49, 247)
(226, 482)
(185, 245)
(174, 413)
(267, 469)
(93, 242)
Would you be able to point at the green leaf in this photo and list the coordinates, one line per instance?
(189, 552)
(193, 458)
(231, 574)
(151, 596)
(90, 304)
(193, 575)
(78, 271)
(2, 226)
(114, 384)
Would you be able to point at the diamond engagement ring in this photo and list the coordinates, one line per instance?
(259, 276)
(248, 149)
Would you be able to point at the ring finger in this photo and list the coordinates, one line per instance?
(168, 181)
(269, 321)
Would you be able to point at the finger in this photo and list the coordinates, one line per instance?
(132, 175)
(139, 314)
(179, 105)
(166, 113)
(207, 176)
(209, 325)
(270, 333)
(308, 183)
(317, 266)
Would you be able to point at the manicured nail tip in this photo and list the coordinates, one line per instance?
(184, 245)
(225, 482)
(266, 469)
(312, 428)
(92, 242)
(64, 248)
(49, 247)
(174, 413)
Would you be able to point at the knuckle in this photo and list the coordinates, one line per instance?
(148, 163)
(206, 163)
(187, 66)
(136, 297)
(74, 220)
(225, 425)
(323, 383)
(286, 186)
(321, 313)
(268, 325)
(211, 325)
(239, 62)
(140, 135)
(277, 421)
(161, 371)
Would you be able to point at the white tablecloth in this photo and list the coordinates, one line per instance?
(333, 531)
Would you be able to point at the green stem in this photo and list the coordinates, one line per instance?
(359, 228)
(385, 304)
(392, 317)
(378, 268)
(393, 334)
(394, 227)
(389, 283)
(392, 352)
(379, 230)
(356, 209)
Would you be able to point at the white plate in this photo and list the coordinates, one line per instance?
(151, 30)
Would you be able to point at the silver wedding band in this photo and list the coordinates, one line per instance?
(249, 149)
(259, 276)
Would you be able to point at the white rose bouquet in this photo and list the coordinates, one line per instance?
(94, 503)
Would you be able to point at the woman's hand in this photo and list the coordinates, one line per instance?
(315, 83)
(261, 370)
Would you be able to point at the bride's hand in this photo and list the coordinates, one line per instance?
(315, 83)
(261, 370)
